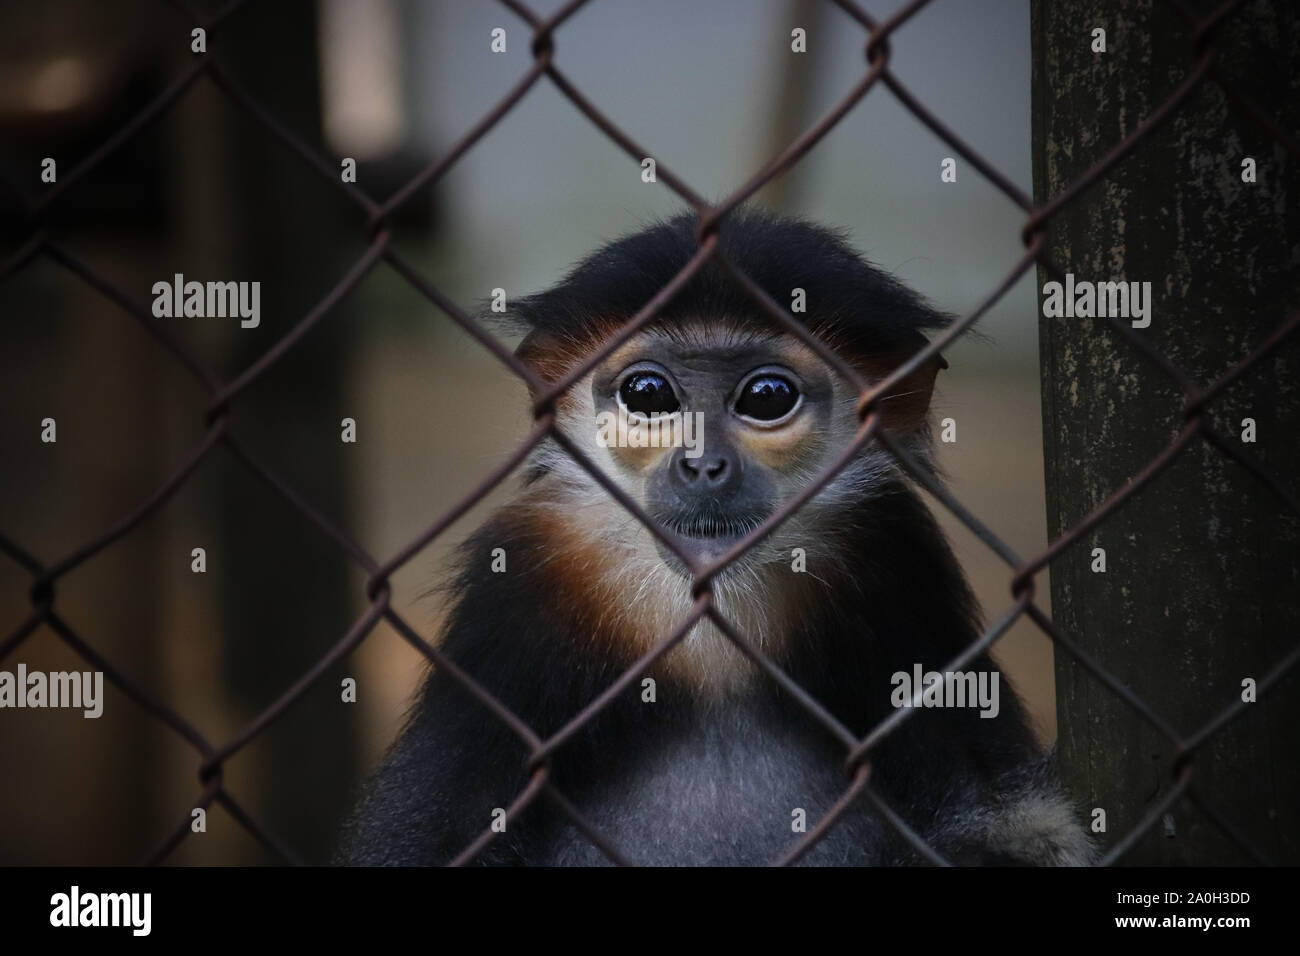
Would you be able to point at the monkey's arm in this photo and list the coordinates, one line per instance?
(435, 791)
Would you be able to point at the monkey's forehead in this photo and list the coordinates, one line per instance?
(717, 332)
(717, 338)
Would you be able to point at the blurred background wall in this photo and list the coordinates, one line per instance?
(712, 90)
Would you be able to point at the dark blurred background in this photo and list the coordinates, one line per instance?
(712, 89)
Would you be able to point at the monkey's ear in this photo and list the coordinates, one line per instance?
(544, 353)
(905, 406)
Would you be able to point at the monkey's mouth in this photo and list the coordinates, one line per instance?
(706, 537)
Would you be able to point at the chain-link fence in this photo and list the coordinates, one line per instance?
(379, 214)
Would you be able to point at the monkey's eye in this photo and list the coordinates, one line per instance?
(767, 397)
(648, 393)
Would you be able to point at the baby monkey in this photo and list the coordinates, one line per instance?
(710, 761)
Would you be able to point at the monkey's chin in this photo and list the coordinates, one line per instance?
(702, 551)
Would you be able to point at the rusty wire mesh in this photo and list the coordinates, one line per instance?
(857, 751)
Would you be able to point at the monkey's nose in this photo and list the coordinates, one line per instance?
(707, 472)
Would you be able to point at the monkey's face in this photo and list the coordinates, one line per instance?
(711, 426)
(712, 429)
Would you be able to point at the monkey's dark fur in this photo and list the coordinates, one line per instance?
(867, 311)
(691, 779)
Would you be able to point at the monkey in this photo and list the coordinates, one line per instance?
(705, 758)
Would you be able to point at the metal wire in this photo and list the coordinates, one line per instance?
(377, 591)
